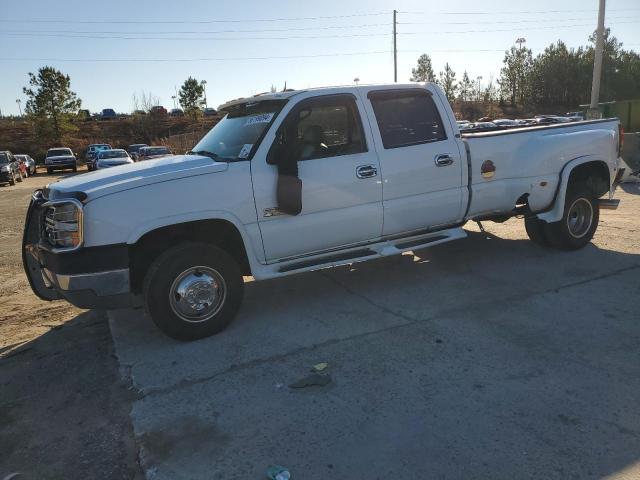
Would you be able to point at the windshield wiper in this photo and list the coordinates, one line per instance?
(206, 153)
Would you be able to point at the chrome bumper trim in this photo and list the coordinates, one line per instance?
(103, 284)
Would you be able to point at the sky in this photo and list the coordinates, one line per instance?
(244, 47)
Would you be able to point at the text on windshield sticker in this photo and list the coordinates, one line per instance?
(261, 118)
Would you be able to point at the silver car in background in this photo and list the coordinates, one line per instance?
(112, 158)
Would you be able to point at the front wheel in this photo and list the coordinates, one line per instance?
(578, 224)
(193, 290)
(535, 231)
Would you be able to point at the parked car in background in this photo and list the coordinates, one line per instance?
(158, 110)
(112, 158)
(550, 119)
(210, 112)
(176, 112)
(133, 150)
(108, 114)
(60, 159)
(463, 124)
(9, 168)
(29, 162)
(148, 153)
(484, 126)
(92, 151)
(84, 115)
(505, 122)
(575, 114)
(139, 112)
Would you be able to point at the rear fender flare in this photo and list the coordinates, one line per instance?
(554, 214)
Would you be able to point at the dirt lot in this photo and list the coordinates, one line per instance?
(63, 406)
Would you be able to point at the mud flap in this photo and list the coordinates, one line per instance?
(30, 259)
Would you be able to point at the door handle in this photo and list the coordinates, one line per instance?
(443, 160)
(366, 171)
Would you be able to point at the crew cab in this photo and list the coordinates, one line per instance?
(302, 180)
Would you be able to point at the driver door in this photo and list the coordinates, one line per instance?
(340, 174)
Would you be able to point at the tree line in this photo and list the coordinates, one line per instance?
(53, 108)
(558, 77)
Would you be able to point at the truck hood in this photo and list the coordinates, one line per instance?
(125, 177)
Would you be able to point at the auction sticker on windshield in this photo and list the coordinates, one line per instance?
(260, 118)
(246, 149)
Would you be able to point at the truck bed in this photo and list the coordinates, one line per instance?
(511, 151)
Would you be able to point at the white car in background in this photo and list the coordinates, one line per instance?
(112, 158)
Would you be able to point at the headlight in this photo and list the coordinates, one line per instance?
(5, 168)
(62, 224)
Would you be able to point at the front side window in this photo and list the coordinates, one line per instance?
(323, 127)
(408, 117)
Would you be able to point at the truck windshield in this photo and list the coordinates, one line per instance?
(242, 128)
(59, 152)
(4, 158)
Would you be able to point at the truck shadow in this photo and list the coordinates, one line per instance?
(632, 188)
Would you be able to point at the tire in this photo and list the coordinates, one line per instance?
(535, 231)
(579, 221)
(75, 169)
(184, 266)
(49, 171)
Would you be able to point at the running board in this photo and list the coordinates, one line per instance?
(377, 250)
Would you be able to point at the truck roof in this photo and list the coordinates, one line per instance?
(327, 90)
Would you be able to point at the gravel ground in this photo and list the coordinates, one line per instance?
(63, 405)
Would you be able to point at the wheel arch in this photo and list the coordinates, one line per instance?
(594, 172)
(145, 245)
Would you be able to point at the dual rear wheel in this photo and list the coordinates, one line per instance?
(576, 228)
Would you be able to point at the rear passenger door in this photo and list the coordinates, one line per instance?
(420, 159)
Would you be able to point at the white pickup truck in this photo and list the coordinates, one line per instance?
(302, 180)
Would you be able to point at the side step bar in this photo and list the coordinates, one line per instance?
(377, 250)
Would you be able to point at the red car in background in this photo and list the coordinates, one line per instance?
(158, 110)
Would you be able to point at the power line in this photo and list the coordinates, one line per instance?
(191, 32)
(294, 29)
(525, 12)
(508, 29)
(168, 22)
(537, 20)
(170, 60)
(294, 37)
(235, 39)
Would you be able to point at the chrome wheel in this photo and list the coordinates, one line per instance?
(197, 294)
(580, 217)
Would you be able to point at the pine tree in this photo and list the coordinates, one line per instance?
(424, 71)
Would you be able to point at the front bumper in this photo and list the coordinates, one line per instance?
(95, 277)
(106, 290)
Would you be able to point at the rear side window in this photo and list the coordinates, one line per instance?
(406, 118)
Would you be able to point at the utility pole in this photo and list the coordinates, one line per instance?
(204, 89)
(395, 49)
(479, 77)
(18, 101)
(597, 64)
